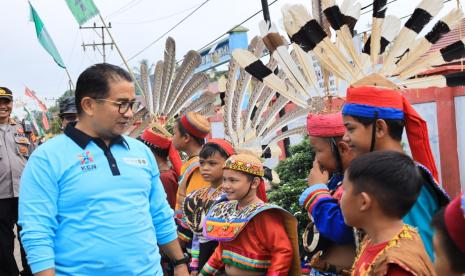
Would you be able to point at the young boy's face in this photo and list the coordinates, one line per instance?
(441, 262)
(235, 184)
(211, 168)
(324, 154)
(350, 203)
(357, 135)
(178, 139)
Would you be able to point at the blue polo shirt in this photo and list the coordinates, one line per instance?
(89, 209)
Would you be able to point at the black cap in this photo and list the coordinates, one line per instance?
(6, 93)
(68, 106)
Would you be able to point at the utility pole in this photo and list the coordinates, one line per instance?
(102, 44)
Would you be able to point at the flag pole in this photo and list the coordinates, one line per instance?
(70, 81)
(124, 60)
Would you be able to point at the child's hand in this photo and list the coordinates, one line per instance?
(317, 175)
(194, 273)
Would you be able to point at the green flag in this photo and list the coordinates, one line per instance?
(83, 10)
(44, 38)
(31, 119)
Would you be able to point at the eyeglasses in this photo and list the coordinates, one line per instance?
(123, 107)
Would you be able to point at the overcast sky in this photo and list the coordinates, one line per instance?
(136, 23)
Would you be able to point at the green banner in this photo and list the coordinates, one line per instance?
(83, 10)
(44, 38)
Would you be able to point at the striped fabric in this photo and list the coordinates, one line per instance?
(251, 262)
(208, 270)
(312, 195)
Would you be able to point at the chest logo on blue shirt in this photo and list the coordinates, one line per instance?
(87, 161)
(136, 161)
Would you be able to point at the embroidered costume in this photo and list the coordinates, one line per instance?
(195, 208)
(404, 253)
(327, 233)
(260, 237)
(191, 180)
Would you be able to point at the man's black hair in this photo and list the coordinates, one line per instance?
(210, 148)
(392, 178)
(396, 127)
(183, 131)
(455, 256)
(94, 82)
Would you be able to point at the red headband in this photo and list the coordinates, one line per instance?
(225, 145)
(165, 143)
(325, 125)
(375, 96)
(454, 218)
(191, 128)
(416, 128)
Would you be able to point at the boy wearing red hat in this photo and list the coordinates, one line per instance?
(375, 118)
(449, 238)
(163, 149)
(328, 235)
(189, 136)
(197, 204)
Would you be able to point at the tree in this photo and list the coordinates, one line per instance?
(293, 173)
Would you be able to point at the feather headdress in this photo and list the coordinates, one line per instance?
(173, 90)
(272, 90)
(390, 56)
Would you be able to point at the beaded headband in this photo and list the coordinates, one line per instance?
(245, 163)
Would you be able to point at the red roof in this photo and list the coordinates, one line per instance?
(449, 38)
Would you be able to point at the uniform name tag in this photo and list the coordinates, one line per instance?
(135, 161)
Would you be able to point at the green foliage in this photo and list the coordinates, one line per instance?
(293, 172)
(298, 165)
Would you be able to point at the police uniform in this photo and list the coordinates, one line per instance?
(15, 148)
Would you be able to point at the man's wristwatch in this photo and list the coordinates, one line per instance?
(183, 260)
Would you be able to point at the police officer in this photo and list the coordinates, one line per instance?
(15, 148)
(68, 111)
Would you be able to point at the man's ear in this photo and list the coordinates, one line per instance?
(366, 201)
(88, 106)
(382, 129)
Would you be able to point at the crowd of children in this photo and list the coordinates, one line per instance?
(371, 206)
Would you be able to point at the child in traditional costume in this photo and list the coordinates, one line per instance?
(255, 238)
(449, 238)
(379, 189)
(375, 118)
(189, 136)
(196, 205)
(163, 150)
(327, 238)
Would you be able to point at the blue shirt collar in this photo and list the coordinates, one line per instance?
(82, 139)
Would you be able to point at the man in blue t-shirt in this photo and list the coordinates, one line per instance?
(91, 200)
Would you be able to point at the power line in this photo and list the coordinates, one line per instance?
(172, 28)
(157, 19)
(367, 6)
(386, 5)
(125, 8)
(403, 17)
(225, 33)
